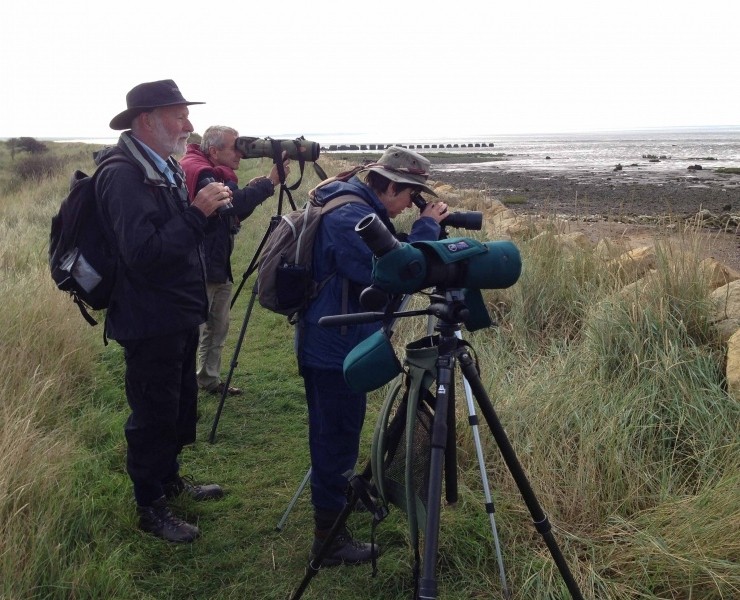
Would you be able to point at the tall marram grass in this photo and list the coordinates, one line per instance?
(613, 398)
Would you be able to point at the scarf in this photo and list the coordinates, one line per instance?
(194, 162)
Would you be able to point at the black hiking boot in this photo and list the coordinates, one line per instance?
(158, 520)
(183, 485)
(344, 550)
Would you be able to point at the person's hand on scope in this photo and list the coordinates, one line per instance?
(435, 210)
(274, 176)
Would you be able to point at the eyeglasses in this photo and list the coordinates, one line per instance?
(417, 198)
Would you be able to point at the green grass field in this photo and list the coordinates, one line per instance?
(615, 405)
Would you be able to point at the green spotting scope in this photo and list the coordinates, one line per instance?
(463, 263)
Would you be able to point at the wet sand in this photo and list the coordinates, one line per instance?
(626, 203)
(628, 192)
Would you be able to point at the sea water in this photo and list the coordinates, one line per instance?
(662, 149)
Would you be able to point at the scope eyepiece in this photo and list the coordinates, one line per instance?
(376, 235)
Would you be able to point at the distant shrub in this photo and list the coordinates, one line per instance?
(728, 170)
(38, 166)
(27, 144)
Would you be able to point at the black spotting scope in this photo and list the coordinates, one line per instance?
(472, 220)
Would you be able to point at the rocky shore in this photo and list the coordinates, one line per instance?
(628, 203)
(618, 194)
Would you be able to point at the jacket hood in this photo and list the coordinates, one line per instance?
(355, 187)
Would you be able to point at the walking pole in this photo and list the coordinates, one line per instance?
(293, 500)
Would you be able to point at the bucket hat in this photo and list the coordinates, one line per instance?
(148, 96)
(403, 166)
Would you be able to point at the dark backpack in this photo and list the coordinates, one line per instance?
(82, 258)
(285, 282)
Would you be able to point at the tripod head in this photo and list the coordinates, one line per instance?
(373, 362)
(448, 306)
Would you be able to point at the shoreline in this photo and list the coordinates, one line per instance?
(640, 212)
(625, 193)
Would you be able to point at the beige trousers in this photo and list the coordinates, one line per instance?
(213, 335)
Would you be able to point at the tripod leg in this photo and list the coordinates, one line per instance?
(451, 490)
(490, 509)
(315, 564)
(293, 500)
(234, 362)
(539, 518)
(428, 581)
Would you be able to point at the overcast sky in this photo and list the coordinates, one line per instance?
(402, 67)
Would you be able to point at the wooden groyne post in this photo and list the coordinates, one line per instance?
(426, 146)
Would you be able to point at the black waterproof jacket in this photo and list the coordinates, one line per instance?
(160, 284)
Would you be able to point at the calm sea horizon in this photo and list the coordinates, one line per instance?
(675, 148)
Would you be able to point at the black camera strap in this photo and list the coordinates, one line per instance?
(277, 157)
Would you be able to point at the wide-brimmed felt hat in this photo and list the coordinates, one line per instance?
(403, 166)
(148, 96)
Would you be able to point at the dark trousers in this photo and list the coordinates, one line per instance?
(335, 417)
(162, 393)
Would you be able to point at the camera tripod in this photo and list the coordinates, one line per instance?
(451, 351)
(274, 220)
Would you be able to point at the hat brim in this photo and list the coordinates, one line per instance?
(123, 119)
(409, 178)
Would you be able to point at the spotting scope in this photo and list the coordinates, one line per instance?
(403, 268)
(298, 149)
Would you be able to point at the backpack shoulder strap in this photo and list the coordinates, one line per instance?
(329, 206)
(325, 209)
(104, 163)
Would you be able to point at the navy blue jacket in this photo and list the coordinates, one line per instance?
(339, 249)
(222, 225)
(221, 228)
(160, 284)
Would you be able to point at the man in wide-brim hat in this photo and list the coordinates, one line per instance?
(145, 97)
(159, 299)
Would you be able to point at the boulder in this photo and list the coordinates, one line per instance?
(716, 273)
(608, 249)
(726, 301)
(632, 265)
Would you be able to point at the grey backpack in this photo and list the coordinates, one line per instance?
(285, 282)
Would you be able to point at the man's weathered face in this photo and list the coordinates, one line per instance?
(171, 128)
(228, 156)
